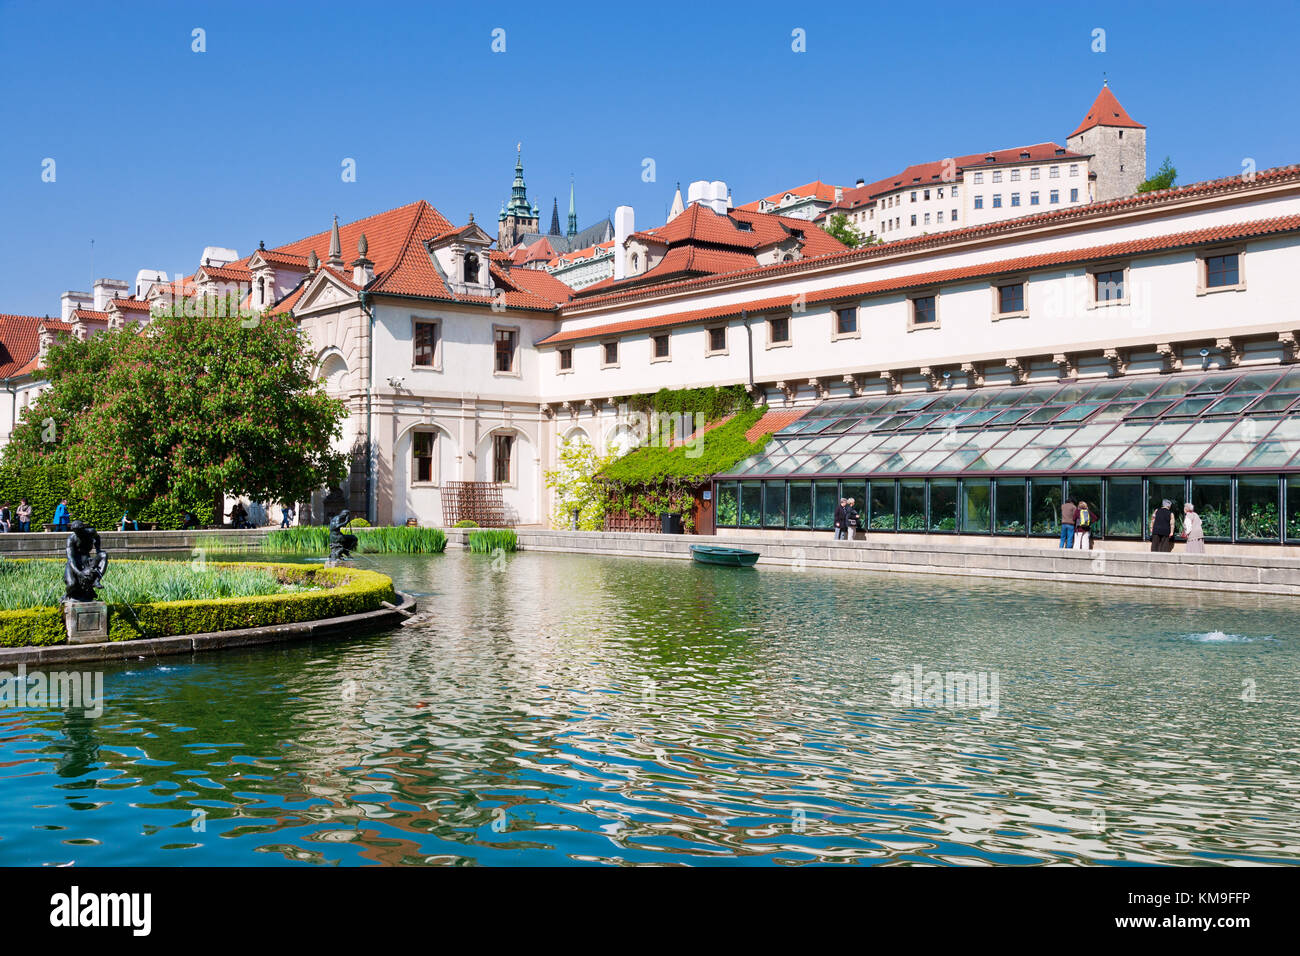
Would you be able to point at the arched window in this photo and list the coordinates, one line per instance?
(261, 292)
(636, 261)
(471, 267)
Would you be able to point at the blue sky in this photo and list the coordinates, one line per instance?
(160, 150)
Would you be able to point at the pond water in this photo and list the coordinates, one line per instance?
(570, 709)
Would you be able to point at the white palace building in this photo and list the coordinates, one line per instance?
(962, 381)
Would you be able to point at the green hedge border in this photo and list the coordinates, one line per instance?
(351, 591)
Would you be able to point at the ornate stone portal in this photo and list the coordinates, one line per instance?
(84, 617)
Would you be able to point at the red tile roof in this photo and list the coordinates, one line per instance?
(816, 188)
(1196, 237)
(1106, 111)
(89, 315)
(774, 422)
(535, 282)
(1083, 211)
(19, 343)
(131, 305)
(276, 257)
(235, 272)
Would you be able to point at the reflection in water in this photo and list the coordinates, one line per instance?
(573, 709)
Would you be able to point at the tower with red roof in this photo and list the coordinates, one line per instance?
(1117, 143)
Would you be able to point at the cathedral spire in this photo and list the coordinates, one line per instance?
(573, 211)
(555, 216)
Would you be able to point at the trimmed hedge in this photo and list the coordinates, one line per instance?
(44, 485)
(348, 591)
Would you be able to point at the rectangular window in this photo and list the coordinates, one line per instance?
(938, 217)
(997, 200)
(1074, 195)
(718, 339)
(939, 193)
(979, 202)
(422, 456)
(566, 360)
(1033, 198)
(778, 330)
(502, 447)
(846, 321)
(1011, 298)
(1015, 199)
(1110, 285)
(913, 196)
(1033, 173)
(926, 194)
(923, 310)
(1074, 169)
(954, 192)
(610, 353)
(661, 346)
(1015, 175)
(927, 219)
(914, 219)
(1054, 172)
(997, 175)
(1054, 197)
(979, 179)
(507, 341)
(426, 344)
(1221, 271)
(954, 215)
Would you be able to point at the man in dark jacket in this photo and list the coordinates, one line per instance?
(1162, 527)
(840, 519)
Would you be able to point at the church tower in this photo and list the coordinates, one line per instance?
(573, 212)
(519, 217)
(1117, 144)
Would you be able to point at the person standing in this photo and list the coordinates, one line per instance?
(1162, 527)
(24, 515)
(286, 515)
(61, 516)
(839, 519)
(1069, 514)
(6, 518)
(1193, 532)
(1083, 527)
(850, 519)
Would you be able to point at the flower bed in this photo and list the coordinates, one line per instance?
(307, 592)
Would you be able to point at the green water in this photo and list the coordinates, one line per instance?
(559, 709)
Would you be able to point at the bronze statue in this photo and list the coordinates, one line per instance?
(341, 544)
(87, 563)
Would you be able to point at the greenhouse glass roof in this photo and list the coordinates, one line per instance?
(1241, 421)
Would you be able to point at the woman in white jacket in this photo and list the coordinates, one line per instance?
(1192, 531)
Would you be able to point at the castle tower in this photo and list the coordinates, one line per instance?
(1117, 144)
(520, 217)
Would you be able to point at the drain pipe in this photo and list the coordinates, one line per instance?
(369, 310)
(749, 333)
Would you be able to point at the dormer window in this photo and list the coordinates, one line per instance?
(471, 268)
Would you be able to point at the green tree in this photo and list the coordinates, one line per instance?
(1163, 179)
(840, 227)
(575, 486)
(198, 404)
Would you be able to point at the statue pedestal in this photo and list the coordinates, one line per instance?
(86, 621)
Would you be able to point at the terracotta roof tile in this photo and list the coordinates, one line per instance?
(816, 189)
(131, 305)
(232, 273)
(1106, 111)
(19, 343)
(774, 421)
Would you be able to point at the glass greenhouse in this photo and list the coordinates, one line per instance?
(998, 460)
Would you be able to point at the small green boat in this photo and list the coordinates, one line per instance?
(731, 557)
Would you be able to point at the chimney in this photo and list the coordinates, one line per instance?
(108, 289)
(71, 301)
(624, 226)
(718, 197)
(697, 191)
(861, 183)
(839, 193)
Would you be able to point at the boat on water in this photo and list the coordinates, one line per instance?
(730, 557)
